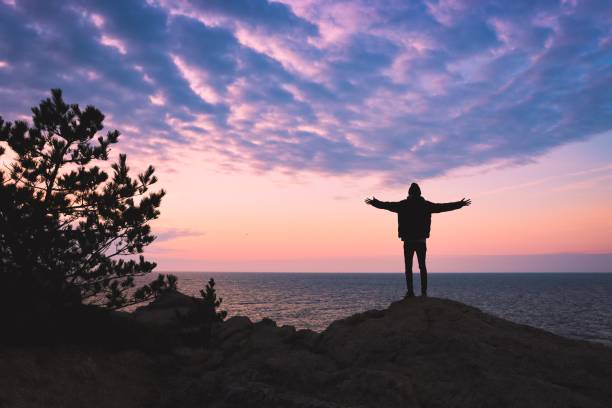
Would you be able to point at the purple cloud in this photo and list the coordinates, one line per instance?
(169, 234)
(407, 89)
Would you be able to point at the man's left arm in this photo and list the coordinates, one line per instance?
(443, 207)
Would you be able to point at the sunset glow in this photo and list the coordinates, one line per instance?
(270, 122)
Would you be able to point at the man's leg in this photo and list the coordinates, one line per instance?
(408, 255)
(421, 251)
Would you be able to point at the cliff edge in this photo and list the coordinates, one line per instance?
(419, 352)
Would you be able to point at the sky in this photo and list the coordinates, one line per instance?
(270, 122)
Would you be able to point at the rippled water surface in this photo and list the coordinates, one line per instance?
(577, 305)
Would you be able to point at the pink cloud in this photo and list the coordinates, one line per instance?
(97, 20)
(446, 11)
(158, 99)
(198, 80)
(113, 42)
(283, 50)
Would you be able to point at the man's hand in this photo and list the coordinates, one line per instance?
(465, 203)
(370, 201)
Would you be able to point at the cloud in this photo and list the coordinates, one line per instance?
(169, 234)
(114, 43)
(404, 89)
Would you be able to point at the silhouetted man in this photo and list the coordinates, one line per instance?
(414, 225)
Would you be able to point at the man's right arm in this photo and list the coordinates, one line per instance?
(383, 205)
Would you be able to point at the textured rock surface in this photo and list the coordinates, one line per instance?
(417, 353)
(163, 310)
(73, 378)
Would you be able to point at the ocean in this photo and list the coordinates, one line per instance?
(575, 305)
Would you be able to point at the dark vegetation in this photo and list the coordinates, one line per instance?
(73, 228)
(198, 322)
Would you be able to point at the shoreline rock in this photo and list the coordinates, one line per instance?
(419, 352)
(162, 311)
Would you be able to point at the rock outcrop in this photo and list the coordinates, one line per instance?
(163, 310)
(420, 352)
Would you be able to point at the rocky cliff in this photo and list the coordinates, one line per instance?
(420, 352)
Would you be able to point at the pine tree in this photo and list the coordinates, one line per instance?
(212, 303)
(198, 323)
(72, 230)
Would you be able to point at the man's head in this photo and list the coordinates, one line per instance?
(414, 190)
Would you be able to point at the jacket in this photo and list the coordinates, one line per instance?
(414, 215)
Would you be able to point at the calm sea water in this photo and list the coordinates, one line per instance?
(577, 305)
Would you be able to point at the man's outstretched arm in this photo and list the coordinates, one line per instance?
(383, 205)
(442, 207)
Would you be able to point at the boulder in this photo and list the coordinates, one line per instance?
(162, 311)
(232, 326)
